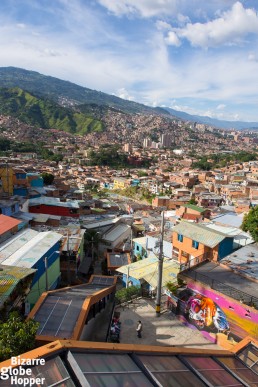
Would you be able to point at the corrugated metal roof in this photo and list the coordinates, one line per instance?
(200, 233)
(9, 278)
(120, 259)
(100, 223)
(14, 243)
(244, 261)
(140, 268)
(229, 219)
(33, 250)
(195, 208)
(147, 269)
(169, 274)
(48, 201)
(40, 218)
(115, 232)
(23, 215)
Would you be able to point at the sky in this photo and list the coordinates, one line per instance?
(197, 56)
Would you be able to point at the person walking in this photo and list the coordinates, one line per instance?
(139, 329)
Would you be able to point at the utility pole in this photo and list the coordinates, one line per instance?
(127, 277)
(92, 254)
(46, 272)
(68, 256)
(160, 268)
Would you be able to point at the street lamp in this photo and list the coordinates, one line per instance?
(46, 267)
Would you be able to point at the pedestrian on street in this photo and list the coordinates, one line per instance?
(139, 329)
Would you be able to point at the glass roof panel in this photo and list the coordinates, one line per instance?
(118, 380)
(240, 369)
(221, 378)
(104, 362)
(249, 355)
(178, 379)
(212, 371)
(162, 363)
(53, 371)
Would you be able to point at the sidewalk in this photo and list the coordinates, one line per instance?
(165, 330)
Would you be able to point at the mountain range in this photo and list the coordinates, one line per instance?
(51, 102)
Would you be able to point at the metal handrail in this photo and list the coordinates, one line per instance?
(195, 261)
(228, 290)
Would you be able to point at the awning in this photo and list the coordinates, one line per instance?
(169, 274)
(140, 268)
(147, 269)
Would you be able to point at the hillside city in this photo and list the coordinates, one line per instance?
(84, 232)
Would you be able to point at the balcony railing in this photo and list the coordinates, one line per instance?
(221, 287)
(195, 261)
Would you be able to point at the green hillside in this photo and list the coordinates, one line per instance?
(56, 89)
(44, 113)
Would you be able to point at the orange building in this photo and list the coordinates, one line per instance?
(194, 242)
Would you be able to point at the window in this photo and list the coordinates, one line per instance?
(137, 248)
(20, 176)
(180, 237)
(195, 245)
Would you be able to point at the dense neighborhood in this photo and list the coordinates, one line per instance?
(154, 219)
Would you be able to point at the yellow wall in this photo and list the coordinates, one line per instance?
(119, 184)
(6, 175)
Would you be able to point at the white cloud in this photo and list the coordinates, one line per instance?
(123, 93)
(252, 57)
(141, 8)
(162, 25)
(137, 64)
(21, 25)
(231, 28)
(182, 19)
(225, 115)
(172, 39)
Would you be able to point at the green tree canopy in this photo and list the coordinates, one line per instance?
(48, 178)
(4, 144)
(16, 336)
(250, 223)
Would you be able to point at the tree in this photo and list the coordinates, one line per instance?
(250, 223)
(92, 239)
(126, 294)
(48, 178)
(16, 336)
(192, 201)
(4, 144)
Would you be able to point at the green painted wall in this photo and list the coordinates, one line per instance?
(40, 286)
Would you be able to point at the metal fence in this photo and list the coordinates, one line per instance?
(234, 293)
(195, 261)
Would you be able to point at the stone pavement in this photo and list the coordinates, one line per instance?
(165, 330)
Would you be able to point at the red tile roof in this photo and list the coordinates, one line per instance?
(7, 223)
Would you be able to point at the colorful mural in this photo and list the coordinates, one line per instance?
(205, 314)
(242, 319)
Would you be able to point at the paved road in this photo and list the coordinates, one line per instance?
(164, 330)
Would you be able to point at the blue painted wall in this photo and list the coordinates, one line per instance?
(40, 265)
(138, 249)
(37, 182)
(20, 191)
(225, 247)
(10, 210)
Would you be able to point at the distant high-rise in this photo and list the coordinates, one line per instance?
(166, 140)
(147, 143)
(128, 148)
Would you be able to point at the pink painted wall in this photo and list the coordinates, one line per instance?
(243, 319)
